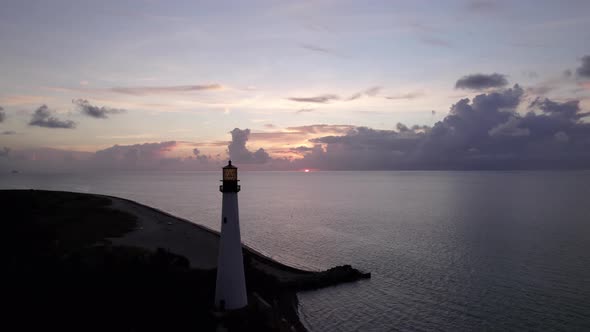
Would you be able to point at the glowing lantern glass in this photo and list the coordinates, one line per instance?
(230, 173)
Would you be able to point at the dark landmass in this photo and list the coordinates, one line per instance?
(82, 262)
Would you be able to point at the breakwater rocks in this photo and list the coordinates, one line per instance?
(264, 272)
(330, 277)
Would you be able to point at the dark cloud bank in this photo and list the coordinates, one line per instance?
(483, 133)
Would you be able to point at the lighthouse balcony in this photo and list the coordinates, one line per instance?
(230, 188)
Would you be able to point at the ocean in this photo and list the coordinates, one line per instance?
(448, 251)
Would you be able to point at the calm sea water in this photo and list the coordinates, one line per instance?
(451, 251)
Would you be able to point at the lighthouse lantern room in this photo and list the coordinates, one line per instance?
(230, 179)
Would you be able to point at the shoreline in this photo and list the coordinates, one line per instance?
(290, 278)
(251, 250)
(272, 286)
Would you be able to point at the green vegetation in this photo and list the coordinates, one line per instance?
(58, 223)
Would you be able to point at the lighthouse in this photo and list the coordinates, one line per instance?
(230, 287)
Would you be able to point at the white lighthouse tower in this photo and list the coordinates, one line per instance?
(230, 288)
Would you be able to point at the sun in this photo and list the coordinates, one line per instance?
(306, 170)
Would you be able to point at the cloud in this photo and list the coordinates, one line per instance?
(317, 49)
(569, 110)
(2, 114)
(8, 132)
(584, 69)
(238, 151)
(402, 128)
(541, 89)
(509, 128)
(211, 144)
(551, 84)
(321, 129)
(151, 90)
(321, 99)
(409, 95)
(481, 81)
(361, 148)
(305, 110)
(43, 118)
(4, 152)
(95, 111)
(483, 133)
(142, 156)
(297, 135)
(200, 157)
(326, 98)
(370, 92)
(354, 96)
(169, 155)
(281, 137)
(145, 151)
(301, 149)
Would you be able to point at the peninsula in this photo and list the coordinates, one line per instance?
(93, 262)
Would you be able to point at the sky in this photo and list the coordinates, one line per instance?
(289, 85)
